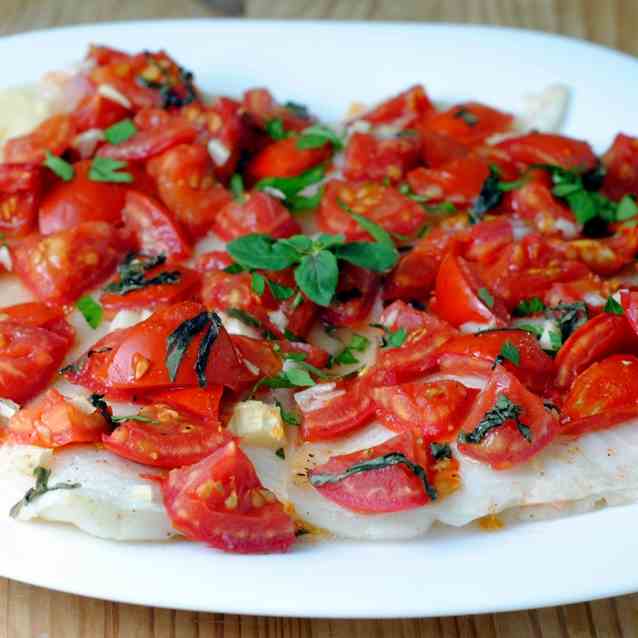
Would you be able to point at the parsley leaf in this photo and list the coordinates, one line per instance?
(391, 338)
(358, 343)
(237, 188)
(292, 186)
(60, 167)
(613, 307)
(529, 306)
(120, 131)
(289, 418)
(245, 317)
(105, 169)
(317, 136)
(91, 310)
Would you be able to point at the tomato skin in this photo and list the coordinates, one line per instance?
(67, 204)
(459, 181)
(354, 298)
(151, 297)
(629, 301)
(40, 315)
(602, 396)
(147, 342)
(590, 290)
(457, 299)
(222, 291)
(549, 148)
(475, 354)
(174, 440)
(29, 357)
(621, 164)
(504, 446)
(97, 111)
(187, 186)
(437, 149)
(488, 121)
(402, 315)
(284, 159)
(258, 213)
(391, 489)
(20, 192)
(609, 255)
(601, 336)
(384, 205)
(370, 158)
(53, 135)
(156, 230)
(220, 501)
(260, 106)
(345, 413)
(436, 409)
(484, 241)
(58, 268)
(53, 422)
(213, 260)
(405, 108)
(203, 403)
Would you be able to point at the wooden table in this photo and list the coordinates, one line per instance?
(31, 612)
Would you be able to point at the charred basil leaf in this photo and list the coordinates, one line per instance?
(211, 335)
(41, 487)
(489, 197)
(132, 273)
(179, 340)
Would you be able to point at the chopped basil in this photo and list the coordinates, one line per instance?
(316, 136)
(467, 116)
(613, 307)
(60, 167)
(292, 186)
(569, 316)
(91, 310)
(627, 208)
(486, 297)
(245, 317)
(379, 463)
(502, 412)
(358, 343)
(279, 292)
(529, 306)
(510, 352)
(105, 169)
(120, 131)
(201, 363)
(234, 269)
(132, 274)
(258, 284)
(289, 418)
(237, 188)
(299, 110)
(98, 402)
(440, 451)
(41, 487)
(281, 453)
(391, 338)
(489, 197)
(275, 128)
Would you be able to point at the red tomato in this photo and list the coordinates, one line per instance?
(470, 123)
(549, 148)
(590, 290)
(187, 185)
(356, 291)
(58, 268)
(97, 111)
(609, 255)
(52, 422)
(213, 260)
(152, 296)
(139, 362)
(511, 442)
(261, 107)
(169, 440)
(82, 199)
(417, 355)
(476, 354)
(350, 408)
(461, 296)
(221, 502)
(437, 409)
(403, 109)
(285, 159)
(621, 167)
(33, 313)
(393, 488)
(604, 395)
(223, 291)
(402, 315)
(54, 134)
(437, 149)
(486, 240)
(600, 337)
(370, 158)
(149, 143)
(384, 205)
(257, 213)
(459, 181)
(29, 357)
(20, 188)
(629, 301)
(156, 230)
(203, 403)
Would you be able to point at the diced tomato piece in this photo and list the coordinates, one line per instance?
(156, 230)
(54, 135)
(371, 158)
(437, 149)
(353, 300)
(529, 428)
(384, 205)
(609, 255)
(629, 302)
(391, 488)
(20, 190)
(485, 240)
(60, 267)
(34, 313)
(203, 403)
(224, 291)
(621, 164)
(97, 112)
(213, 260)
(600, 337)
(261, 107)
(168, 439)
(187, 185)
(550, 148)
(436, 409)
(604, 395)
(403, 109)
(590, 290)
(29, 357)
(52, 422)
(257, 213)
(402, 315)
(221, 502)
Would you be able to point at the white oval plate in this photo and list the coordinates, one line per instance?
(327, 65)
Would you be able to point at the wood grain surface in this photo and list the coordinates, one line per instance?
(31, 612)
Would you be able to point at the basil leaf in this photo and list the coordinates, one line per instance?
(120, 131)
(237, 188)
(280, 453)
(316, 136)
(275, 128)
(486, 297)
(299, 377)
(298, 203)
(627, 208)
(391, 338)
(510, 352)
(489, 197)
(289, 418)
(317, 276)
(262, 252)
(178, 341)
(613, 307)
(375, 230)
(258, 284)
(301, 244)
(279, 292)
(291, 186)
(91, 311)
(300, 110)
(504, 410)
(245, 317)
(61, 168)
(379, 463)
(201, 363)
(378, 257)
(529, 306)
(41, 487)
(104, 169)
